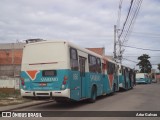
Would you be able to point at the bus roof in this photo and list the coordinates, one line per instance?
(71, 45)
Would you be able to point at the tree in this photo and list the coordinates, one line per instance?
(144, 64)
(159, 67)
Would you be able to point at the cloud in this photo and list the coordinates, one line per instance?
(88, 23)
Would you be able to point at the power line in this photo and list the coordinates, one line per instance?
(126, 18)
(146, 33)
(154, 35)
(134, 61)
(137, 56)
(128, 23)
(140, 48)
(130, 60)
(132, 21)
(126, 30)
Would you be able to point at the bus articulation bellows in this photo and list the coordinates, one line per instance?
(62, 70)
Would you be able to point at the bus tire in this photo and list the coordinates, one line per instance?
(114, 88)
(127, 86)
(60, 100)
(93, 95)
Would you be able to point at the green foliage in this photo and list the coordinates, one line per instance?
(144, 64)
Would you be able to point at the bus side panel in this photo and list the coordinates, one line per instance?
(99, 85)
(94, 79)
(128, 81)
(79, 87)
(122, 82)
(75, 85)
(116, 82)
(106, 86)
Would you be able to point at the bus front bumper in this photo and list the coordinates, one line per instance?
(142, 81)
(60, 93)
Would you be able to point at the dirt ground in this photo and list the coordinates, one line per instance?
(11, 101)
(11, 98)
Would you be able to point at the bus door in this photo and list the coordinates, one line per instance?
(82, 62)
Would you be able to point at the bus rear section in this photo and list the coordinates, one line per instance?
(45, 70)
(142, 78)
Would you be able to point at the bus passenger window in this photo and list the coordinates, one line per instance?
(111, 68)
(92, 63)
(103, 68)
(73, 59)
(98, 65)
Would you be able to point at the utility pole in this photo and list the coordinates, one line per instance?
(115, 56)
(120, 51)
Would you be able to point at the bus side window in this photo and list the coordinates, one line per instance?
(73, 59)
(92, 63)
(98, 65)
(110, 67)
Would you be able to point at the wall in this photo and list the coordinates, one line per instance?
(8, 82)
(10, 56)
(10, 59)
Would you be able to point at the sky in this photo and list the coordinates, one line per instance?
(87, 23)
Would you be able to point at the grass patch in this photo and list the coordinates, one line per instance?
(11, 98)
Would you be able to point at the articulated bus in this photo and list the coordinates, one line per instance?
(64, 71)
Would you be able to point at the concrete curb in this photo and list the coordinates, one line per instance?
(23, 105)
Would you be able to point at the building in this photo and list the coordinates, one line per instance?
(101, 51)
(10, 59)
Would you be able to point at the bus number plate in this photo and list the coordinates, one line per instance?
(42, 84)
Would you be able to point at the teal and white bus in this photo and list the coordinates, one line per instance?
(62, 70)
(142, 78)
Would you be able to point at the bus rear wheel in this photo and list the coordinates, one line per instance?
(114, 88)
(93, 95)
(61, 100)
(126, 86)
